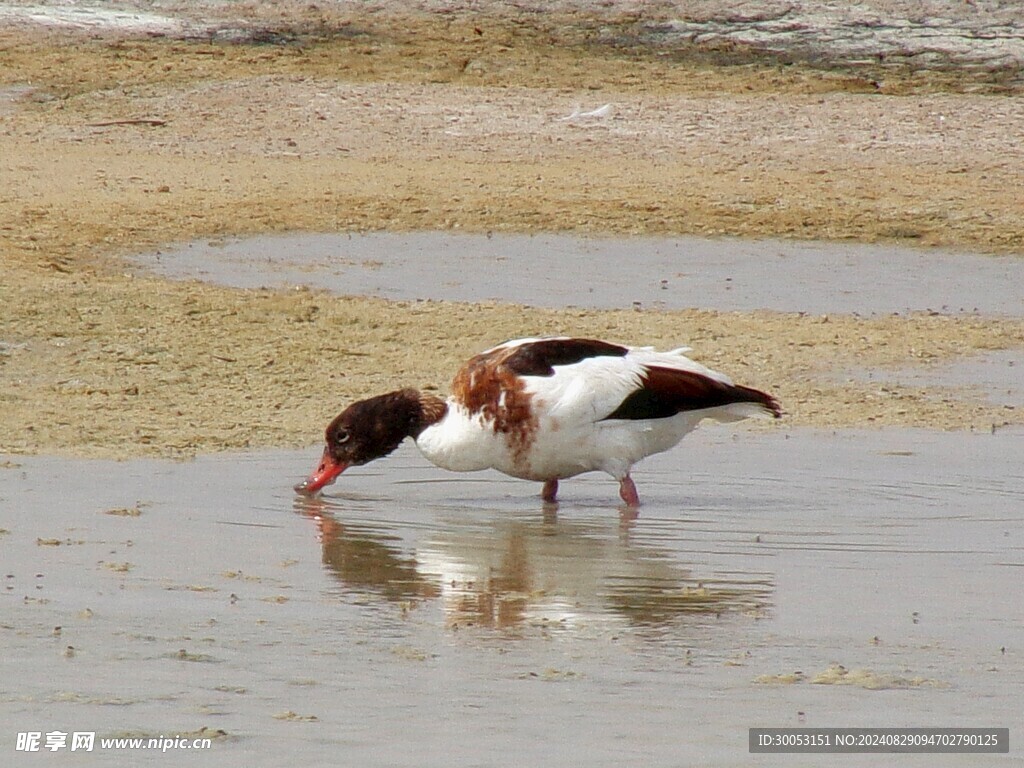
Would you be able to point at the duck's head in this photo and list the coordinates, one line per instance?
(366, 430)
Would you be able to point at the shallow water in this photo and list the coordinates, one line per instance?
(564, 270)
(995, 377)
(416, 617)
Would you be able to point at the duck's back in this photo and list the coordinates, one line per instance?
(548, 408)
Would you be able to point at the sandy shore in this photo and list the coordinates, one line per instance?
(114, 144)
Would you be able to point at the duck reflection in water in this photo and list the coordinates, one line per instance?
(365, 559)
(507, 573)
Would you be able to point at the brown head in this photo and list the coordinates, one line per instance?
(370, 429)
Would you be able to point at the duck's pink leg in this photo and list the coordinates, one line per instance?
(627, 490)
(550, 490)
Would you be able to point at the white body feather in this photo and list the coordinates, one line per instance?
(572, 432)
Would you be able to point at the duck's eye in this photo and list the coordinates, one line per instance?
(341, 436)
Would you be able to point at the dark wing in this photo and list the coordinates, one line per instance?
(539, 358)
(664, 392)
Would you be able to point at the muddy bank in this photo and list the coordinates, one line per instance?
(114, 366)
(979, 46)
(113, 145)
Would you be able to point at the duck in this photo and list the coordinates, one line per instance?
(544, 409)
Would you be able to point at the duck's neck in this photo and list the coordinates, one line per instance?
(413, 411)
(431, 410)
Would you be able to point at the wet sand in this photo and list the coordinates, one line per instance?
(114, 142)
(412, 612)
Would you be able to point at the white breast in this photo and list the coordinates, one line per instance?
(462, 442)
